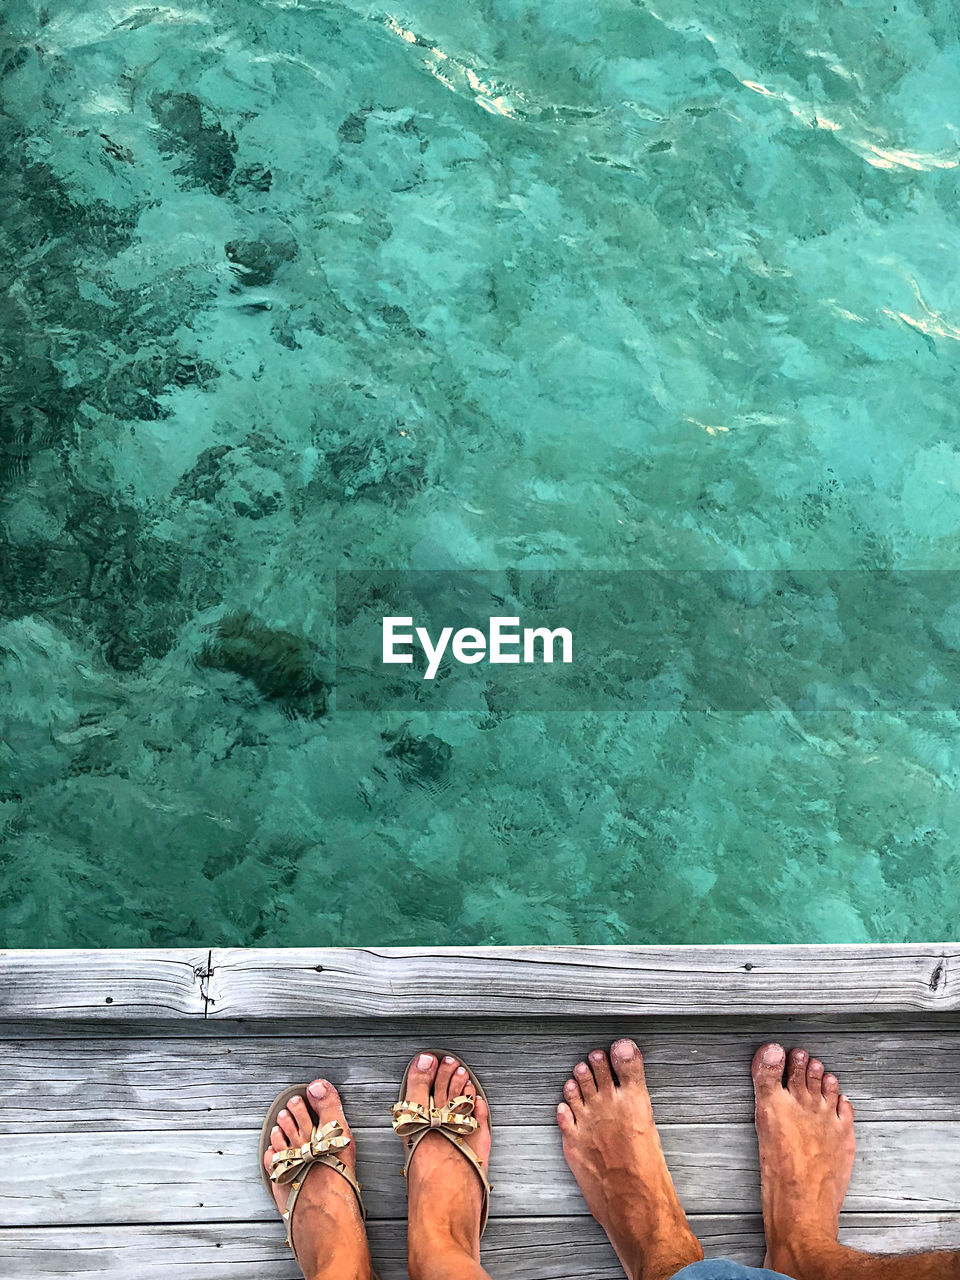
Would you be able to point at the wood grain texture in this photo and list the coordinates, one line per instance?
(513, 1249)
(109, 1085)
(102, 985)
(565, 981)
(476, 982)
(201, 1177)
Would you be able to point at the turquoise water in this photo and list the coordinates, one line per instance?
(296, 288)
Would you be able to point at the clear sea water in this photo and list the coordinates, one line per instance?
(298, 287)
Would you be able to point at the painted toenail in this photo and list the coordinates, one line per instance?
(772, 1055)
(625, 1049)
(449, 1061)
(295, 1099)
(580, 1069)
(318, 1089)
(460, 1072)
(424, 1062)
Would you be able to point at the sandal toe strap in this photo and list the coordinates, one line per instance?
(288, 1163)
(411, 1118)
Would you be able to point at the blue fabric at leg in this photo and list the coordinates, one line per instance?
(722, 1269)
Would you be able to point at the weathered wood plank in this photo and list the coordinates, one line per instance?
(505, 982)
(184, 1177)
(513, 1249)
(558, 981)
(112, 1085)
(106, 985)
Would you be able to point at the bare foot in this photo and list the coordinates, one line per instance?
(327, 1229)
(805, 1132)
(613, 1149)
(445, 1195)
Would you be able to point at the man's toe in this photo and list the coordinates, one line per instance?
(573, 1097)
(797, 1073)
(600, 1066)
(767, 1070)
(815, 1079)
(565, 1119)
(584, 1078)
(627, 1063)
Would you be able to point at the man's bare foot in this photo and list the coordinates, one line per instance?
(613, 1149)
(327, 1228)
(805, 1132)
(445, 1195)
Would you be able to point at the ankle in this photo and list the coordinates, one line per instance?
(343, 1264)
(438, 1251)
(349, 1260)
(808, 1257)
(337, 1270)
(664, 1258)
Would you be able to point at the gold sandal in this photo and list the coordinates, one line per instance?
(292, 1164)
(412, 1122)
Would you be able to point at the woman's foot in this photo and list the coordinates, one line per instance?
(611, 1144)
(445, 1195)
(805, 1133)
(327, 1228)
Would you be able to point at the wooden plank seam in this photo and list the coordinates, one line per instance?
(205, 973)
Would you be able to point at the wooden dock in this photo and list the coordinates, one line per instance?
(134, 1084)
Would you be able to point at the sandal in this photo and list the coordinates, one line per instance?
(412, 1123)
(292, 1164)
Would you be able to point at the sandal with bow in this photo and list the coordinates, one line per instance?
(294, 1163)
(454, 1121)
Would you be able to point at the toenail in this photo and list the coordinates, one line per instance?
(460, 1072)
(449, 1061)
(772, 1055)
(318, 1089)
(625, 1049)
(597, 1055)
(424, 1062)
(295, 1099)
(580, 1069)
